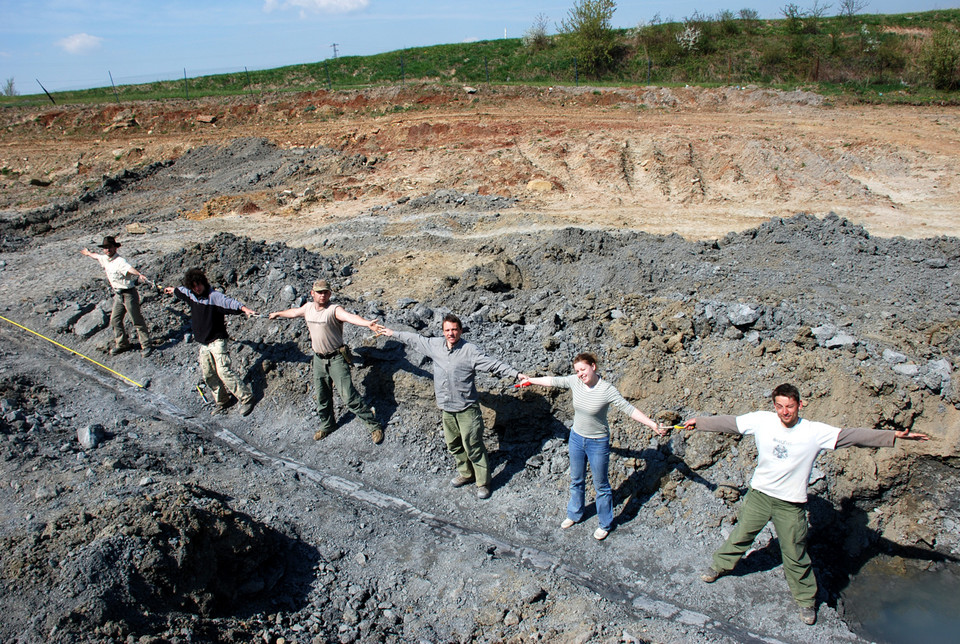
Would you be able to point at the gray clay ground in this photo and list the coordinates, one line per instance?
(183, 527)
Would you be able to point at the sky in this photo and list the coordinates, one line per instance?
(77, 44)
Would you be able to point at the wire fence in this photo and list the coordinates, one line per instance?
(403, 67)
(657, 58)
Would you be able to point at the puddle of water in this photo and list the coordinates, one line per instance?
(892, 601)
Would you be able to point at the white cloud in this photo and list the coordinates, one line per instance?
(80, 43)
(316, 6)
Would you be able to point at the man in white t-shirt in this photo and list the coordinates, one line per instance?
(123, 280)
(787, 447)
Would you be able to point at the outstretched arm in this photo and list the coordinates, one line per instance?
(643, 419)
(288, 313)
(907, 435)
(864, 437)
(353, 318)
(722, 424)
(542, 381)
(135, 273)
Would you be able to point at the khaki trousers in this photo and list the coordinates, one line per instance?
(334, 372)
(128, 301)
(463, 432)
(217, 369)
(790, 522)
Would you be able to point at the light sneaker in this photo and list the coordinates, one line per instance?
(483, 492)
(567, 523)
(808, 615)
(600, 534)
(376, 436)
(460, 481)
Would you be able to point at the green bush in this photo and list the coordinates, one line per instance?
(659, 42)
(750, 19)
(536, 37)
(590, 36)
(774, 56)
(940, 59)
(728, 23)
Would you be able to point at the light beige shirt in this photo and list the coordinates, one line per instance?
(326, 331)
(118, 271)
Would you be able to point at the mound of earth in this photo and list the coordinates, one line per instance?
(131, 514)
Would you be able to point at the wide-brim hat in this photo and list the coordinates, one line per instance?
(322, 285)
(110, 242)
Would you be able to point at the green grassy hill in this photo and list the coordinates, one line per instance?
(904, 57)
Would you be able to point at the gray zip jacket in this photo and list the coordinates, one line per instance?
(455, 370)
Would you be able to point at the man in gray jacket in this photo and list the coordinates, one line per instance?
(787, 447)
(455, 365)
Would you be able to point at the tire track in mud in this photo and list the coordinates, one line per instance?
(634, 601)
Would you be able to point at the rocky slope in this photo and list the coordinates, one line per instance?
(131, 514)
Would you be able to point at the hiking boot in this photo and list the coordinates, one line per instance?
(146, 351)
(808, 615)
(483, 492)
(219, 410)
(246, 408)
(119, 348)
(320, 435)
(460, 481)
(710, 575)
(376, 436)
(600, 534)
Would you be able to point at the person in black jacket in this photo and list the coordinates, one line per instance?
(207, 310)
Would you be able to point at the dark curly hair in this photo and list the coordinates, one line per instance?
(195, 277)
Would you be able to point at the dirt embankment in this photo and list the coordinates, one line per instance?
(544, 219)
(697, 162)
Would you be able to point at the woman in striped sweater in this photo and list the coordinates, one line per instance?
(590, 436)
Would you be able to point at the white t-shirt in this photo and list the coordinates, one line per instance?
(117, 270)
(785, 456)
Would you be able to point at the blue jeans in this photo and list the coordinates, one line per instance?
(597, 452)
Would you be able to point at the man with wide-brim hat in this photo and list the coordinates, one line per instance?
(331, 364)
(122, 278)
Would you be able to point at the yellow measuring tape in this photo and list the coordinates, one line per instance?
(117, 373)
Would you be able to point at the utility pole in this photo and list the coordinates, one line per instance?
(334, 45)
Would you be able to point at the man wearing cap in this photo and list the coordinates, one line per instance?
(330, 363)
(122, 278)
